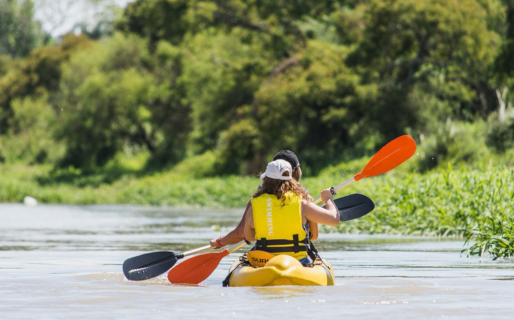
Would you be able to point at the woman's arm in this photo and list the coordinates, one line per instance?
(233, 236)
(314, 213)
(249, 227)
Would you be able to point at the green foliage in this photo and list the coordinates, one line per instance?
(503, 63)
(442, 203)
(19, 32)
(495, 238)
(172, 20)
(476, 204)
(500, 134)
(449, 36)
(170, 114)
(236, 152)
(220, 74)
(331, 80)
(36, 75)
(5, 64)
(454, 143)
(29, 138)
(110, 100)
(446, 45)
(155, 20)
(102, 102)
(195, 167)
(308, 91)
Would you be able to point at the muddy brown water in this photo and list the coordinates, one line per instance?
(64, 262)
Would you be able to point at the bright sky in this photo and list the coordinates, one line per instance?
(59, 16)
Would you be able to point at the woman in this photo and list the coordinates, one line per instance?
(278, 214)
(237, 234)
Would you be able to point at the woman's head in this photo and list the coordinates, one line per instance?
(290, 157)
(277, 180)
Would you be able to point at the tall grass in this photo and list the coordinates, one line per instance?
(473, 204)
(495, 238)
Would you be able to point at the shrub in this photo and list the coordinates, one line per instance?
(455, 143)
(500, 134)
(30, 136)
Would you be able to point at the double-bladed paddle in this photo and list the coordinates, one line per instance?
(153, 264)
(196, 269)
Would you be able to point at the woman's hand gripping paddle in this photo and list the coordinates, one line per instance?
(153, 264)
(389, 157)
(196, 269)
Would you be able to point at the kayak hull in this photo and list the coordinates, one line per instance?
(281, 270)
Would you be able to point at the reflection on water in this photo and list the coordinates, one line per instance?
(108, 227)
(64, 262)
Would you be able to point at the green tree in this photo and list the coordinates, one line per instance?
(109, 100)
(19, 32)
(504, 66)
(30, 135)
(39, 73)
(172, 20)
(156, 20)
(309, 104)
(220, 74)
(446, 45)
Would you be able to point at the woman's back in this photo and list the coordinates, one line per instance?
(280, 219)
(278, 213)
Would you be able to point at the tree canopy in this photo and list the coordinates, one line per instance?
(244, 79)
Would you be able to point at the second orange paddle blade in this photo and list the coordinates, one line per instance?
(196, 269)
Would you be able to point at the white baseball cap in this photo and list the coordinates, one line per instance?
(276, 169)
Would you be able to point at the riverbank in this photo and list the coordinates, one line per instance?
(176, 187)
(459, 203)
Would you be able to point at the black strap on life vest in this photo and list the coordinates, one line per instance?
(281, 245)
(313, 252)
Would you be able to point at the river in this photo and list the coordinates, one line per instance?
(64, 262)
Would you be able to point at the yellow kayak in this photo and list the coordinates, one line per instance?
(281, 270)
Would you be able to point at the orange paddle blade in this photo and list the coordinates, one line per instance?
(389, 157)
(196, 269)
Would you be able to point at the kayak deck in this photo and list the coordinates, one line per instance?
(281, 270)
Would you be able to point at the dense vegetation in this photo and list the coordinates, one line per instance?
(193, 91)
(445, 202)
